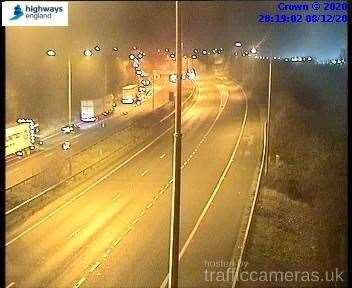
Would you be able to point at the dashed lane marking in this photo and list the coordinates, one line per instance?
(145, 172)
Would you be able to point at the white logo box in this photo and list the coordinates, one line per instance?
(34, 13)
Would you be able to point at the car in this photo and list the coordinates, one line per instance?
(71, 128)
(66, 145)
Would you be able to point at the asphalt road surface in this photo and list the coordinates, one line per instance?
(115, 232)
(18, 170)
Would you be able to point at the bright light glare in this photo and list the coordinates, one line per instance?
(238, 44)
(51, 52)
(88, 53)
(253, 50)
(173, 78)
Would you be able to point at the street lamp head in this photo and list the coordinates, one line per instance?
(253, 50)
(194, 56)
(195, 51)
(238, 44)
(115, 49)
(131, 56)
(97, 48)
(166, 50)
(51, 53)
(87, 52)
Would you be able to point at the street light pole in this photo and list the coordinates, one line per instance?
(105, 84)
(176, 188)
(69, 92)
(268, 120)
(153, 90)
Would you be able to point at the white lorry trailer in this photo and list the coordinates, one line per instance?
(92, 109)
(129, 94)
(18, 139)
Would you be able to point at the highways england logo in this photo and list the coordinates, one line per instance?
(34, 13)
(17, 12)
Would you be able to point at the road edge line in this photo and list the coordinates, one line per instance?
(217, 188)
(239, 262)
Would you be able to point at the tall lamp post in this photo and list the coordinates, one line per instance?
(153, 91)
(176, 188)
(98, 49)
(268, 119)
(52, 53)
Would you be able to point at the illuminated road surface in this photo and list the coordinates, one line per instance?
(19, 170)
(116, 234)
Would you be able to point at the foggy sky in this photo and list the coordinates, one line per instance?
(36, 84)
(151, 24)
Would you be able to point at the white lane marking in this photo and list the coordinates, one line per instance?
(47, 155)
(95, 266)
(74, 142)
(173, 112)
(133, 156)
(73, 234)
(116, 197)
(85, 190)
(76, 136)
(145, 172)
(217, 188)
(51, 136)
(79, 283)
(252, 210)
(31, 156)
(162, 156)
(10, 285)
(107, 252)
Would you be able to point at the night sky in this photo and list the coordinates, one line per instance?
(33, 76)
(151, 24)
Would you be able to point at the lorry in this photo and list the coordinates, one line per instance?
(18, 139)
(92, 109)
(129, 94)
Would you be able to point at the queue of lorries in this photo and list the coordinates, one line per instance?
(19, 138)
